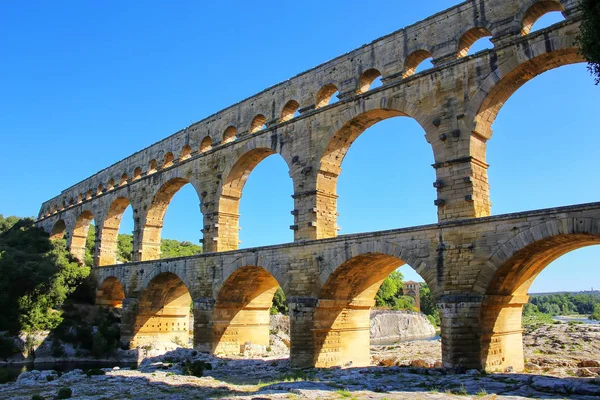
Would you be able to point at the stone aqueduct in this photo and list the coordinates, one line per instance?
(478, 267)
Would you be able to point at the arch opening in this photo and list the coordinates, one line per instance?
(115, 248)
(241, 315)
(265, 207)
(560, 159)
(206, 144)
(342, 329)
(327, 95)
(368, 80)
(290, 110)
(229, 135)
(151, 247)
(473, 41)
(123, 180)
(59, 230)
(380, 126)
(163, 314)
(231, 193)
(152, 167)
(258, 123)
(137, 173)
(416, 62)
(186, 152)
(168, 160)
(541, 15)
(508, 292)
(110, 293)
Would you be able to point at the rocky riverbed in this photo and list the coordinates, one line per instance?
(403, 371)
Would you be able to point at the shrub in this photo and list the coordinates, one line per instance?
(195, 368)
(64, 393)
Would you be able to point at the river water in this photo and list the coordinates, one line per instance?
(575, 318)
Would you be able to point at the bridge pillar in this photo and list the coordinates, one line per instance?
(129, 311)
(301, 311)
(463, 189)
(502, 339)
(341, 333)
(315, 215)
(461, 330)
(203, 324)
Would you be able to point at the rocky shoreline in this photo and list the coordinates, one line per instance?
(402, 371)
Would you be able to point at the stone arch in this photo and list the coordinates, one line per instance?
(258, 123)
(241, 312)
(59, 230)
(229, 134)
(168, 160)
(79, 235)
(163, 313)
(99, 190)
(366, 80)
(152, 167)
(137, 173)
(342, 134)
(151, 230)
(324, 95)
(110, 231)
(413, 60)
(186, 152)
(123, 180)
(236, 176)
(496, 89)
(110, 293)
(468, 38)
(289, 110)
(535, 11)
(506, 277)
(206, 144)
(341, 333)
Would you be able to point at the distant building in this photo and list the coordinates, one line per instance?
(411, 288)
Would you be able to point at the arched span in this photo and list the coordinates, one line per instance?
(80, 234)
(163, 313)
(241, 312)
(513, 266)
(236, 177)
(59, 229)
(341, 333)
(110, 293)
(511, 270)
(496, 89)
(151, 231)
(343, 133)
(110, 231)
(535, 11)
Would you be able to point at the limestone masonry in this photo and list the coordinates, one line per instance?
(478, 267)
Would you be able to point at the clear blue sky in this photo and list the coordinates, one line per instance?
(85, 84)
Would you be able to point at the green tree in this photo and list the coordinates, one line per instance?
(428, 306)
(589, 37)
(124, 248)
(596, 312)
(36, 276)
(174, 248)
(390, 289)
(279, 303)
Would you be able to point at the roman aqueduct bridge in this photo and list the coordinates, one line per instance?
(478, 267)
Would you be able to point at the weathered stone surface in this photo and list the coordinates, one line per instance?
(394, 326)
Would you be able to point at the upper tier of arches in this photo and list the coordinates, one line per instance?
(392, 58)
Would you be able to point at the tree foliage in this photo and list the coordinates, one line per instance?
(36, 276)
(279, 303)
(589, 37)
(169, 248)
